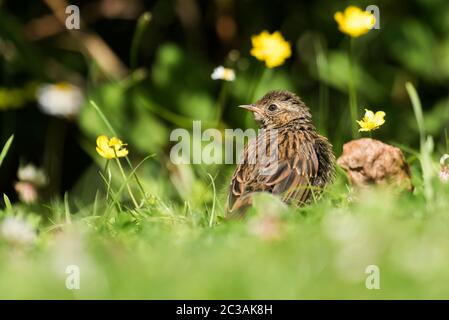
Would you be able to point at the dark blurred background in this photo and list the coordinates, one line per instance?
(168, 85)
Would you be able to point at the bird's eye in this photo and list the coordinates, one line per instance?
(272, 107)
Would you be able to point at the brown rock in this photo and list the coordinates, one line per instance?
(368, 161)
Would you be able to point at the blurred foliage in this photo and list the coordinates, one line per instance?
(185, 40)
(275, 253)
(324, 246)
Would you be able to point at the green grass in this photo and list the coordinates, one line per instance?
(320, 251)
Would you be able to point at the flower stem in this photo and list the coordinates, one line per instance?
(142, 190)
(221, 102)
(142, 24)
(447, 140)
(109, 175)
(127, 184)
(352, 91)
(53, 154)
(321, 64)
(258, 75)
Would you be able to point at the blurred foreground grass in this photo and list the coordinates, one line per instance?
(321, 251)
(177, 245)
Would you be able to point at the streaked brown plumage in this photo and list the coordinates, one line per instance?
(305, 161)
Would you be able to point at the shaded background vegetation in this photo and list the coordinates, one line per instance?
(168, 85)
(175, 245)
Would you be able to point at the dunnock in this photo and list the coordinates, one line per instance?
(300, 161)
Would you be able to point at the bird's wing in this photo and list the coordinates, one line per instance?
(297, 168)
(244, 180)
(290, 176)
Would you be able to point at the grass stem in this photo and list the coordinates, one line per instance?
(258, 75)
(323, 102)
(212, 213)
(352, 91)
(426, 144)
(5, 149)
(142, 24)
(221, 102)
(127, 184)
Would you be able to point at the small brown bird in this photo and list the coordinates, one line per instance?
(287, 158)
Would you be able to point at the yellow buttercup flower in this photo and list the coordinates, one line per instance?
(355, 22)
(371, 121)
(271, 48)
(111, 148)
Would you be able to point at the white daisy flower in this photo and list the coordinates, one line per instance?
(17, 231)
(30, 179)
(222, 73)
(61, 99)
(29, 173)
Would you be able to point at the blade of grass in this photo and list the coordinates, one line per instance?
(447, 140)
(323, 104)
(103, 117)
(110, 194)
(426, 144)
(417, 109)
(67, 208)
(123, 185)
(142, 24)
(95, 205)
(5, 149)
(221, 103)
(352, 91)
(212, 213)
(7, 202)
(130, 192)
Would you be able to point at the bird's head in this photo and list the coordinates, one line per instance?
(278, 108)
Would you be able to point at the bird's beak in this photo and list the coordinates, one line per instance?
(252, 108)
